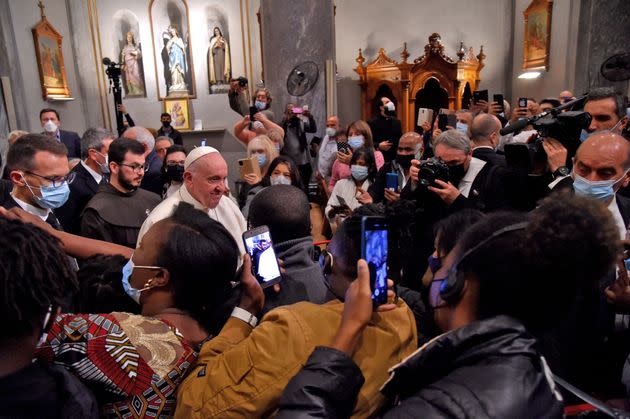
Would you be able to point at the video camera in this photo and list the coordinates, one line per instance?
(114, 73)
(431, 170)
(242, 81)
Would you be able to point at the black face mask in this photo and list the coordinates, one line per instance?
(166, 124)
(174, 173)
(404, 161)
(456, 173)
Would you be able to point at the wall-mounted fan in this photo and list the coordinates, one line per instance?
(617, 67)
(302, 78)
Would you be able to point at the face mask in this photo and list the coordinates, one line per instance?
(104, 166)
(404, 161)
(584, 134)
(279, 180)
(457, 173)
(262, 159)
(359, 172)
(50, 126)
(51, 197)
(600, 190)
(389, 106)
(462, 127)
(127, 271)
(166, 124)
(260, 105)
(435, 263)
(175, 173)
(356, 141)
(331, 132)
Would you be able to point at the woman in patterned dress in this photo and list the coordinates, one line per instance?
(181, 276)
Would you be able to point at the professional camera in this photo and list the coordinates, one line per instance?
(431, 170)
(564, 127)
(114, 72)
(242, 81)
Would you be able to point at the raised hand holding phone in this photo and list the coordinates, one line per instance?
(264, 264)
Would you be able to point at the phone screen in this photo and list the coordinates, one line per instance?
(442, 121)
(374, 251)
(264, 263)
(391, 181)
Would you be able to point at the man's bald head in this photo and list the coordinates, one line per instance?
(410, 143)
(603, 156)
(484, 130)
(141, 135)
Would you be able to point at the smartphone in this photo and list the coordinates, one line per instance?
(264, 262)
(425, 115)
(442, 121)
(342, 202)
(479, 95)
(391, 181)
(499, 100)
(522, 102)
(248, 166)
(374, 252)
(343, 147)
(451, 120)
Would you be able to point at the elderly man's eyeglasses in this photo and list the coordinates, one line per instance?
(137, 168)
(55, 181)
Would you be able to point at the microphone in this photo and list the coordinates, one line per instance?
(518, 125)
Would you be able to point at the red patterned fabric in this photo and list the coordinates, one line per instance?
(132, 363)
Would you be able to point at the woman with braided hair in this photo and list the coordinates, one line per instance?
(180, 275)
(35, 278)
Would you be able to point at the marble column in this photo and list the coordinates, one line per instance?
(604, 30)
(294, 32)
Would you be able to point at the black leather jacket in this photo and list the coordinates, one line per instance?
(488, 369)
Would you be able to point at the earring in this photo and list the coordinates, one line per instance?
(148, 283)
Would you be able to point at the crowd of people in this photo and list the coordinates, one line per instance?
(128, 292)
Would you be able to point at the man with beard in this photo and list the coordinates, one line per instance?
(410, 147)
(117, 211)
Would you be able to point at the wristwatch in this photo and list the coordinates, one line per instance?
(245, 316)
(560, 172)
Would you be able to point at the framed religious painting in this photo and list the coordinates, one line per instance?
(180, 113)
(172, 48)
(52, 72)
(537, 37)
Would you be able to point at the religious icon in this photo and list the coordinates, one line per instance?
(219, 65)
(131, 58)
(52, 73)
(537, 34)
(173, 57)
(179, 111)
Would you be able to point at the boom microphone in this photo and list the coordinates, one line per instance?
(518, 125)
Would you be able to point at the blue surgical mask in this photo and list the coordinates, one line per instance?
(356, 141)
(600, 190)
(279, 180)
(584, 134)
(260, 105)
(359, 172)
(262, 159)
(52, 197)
(435, 263)
(127, 271)
(460, 126)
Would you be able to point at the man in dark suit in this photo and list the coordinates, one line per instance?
(485, 137)
(153, 180)
(89, 173)
(51, 122)
(386, 129)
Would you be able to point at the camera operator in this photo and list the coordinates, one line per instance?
(297, 123)
(237, 96)
(608, 109)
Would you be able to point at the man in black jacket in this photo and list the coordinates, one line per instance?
(485, 137)
(51, 122)
(488, 363)
(386, 129)
(88, 175)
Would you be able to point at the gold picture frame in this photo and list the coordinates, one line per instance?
(52, 72)
(537, 38)
(179, 109)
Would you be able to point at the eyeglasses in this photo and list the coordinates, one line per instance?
(56, 181)
(137, 168)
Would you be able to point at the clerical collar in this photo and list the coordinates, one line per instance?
(42, 213)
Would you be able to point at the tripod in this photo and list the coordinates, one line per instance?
(114, 72)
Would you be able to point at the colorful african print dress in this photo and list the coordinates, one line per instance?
(132, 363)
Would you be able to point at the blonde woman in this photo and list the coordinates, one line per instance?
(264, 150)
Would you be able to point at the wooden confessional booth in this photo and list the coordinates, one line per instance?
(432, 81)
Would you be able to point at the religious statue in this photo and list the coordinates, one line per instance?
(219, 68)
(131, 58)
(177, 65)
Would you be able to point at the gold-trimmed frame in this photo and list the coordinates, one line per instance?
(44, 29)
(190, 54)
(529, 62)
(167, 101)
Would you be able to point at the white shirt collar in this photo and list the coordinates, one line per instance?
(483, 146)
(614, 210)
(473, 170)
(40, 212)
(97, 176)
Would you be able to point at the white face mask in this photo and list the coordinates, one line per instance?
(331, 132)
(389, 106)
(279, 180)
(50, 126)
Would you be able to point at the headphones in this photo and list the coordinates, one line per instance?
(452, 287)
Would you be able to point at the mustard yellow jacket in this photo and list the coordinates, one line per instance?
(242, 372)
